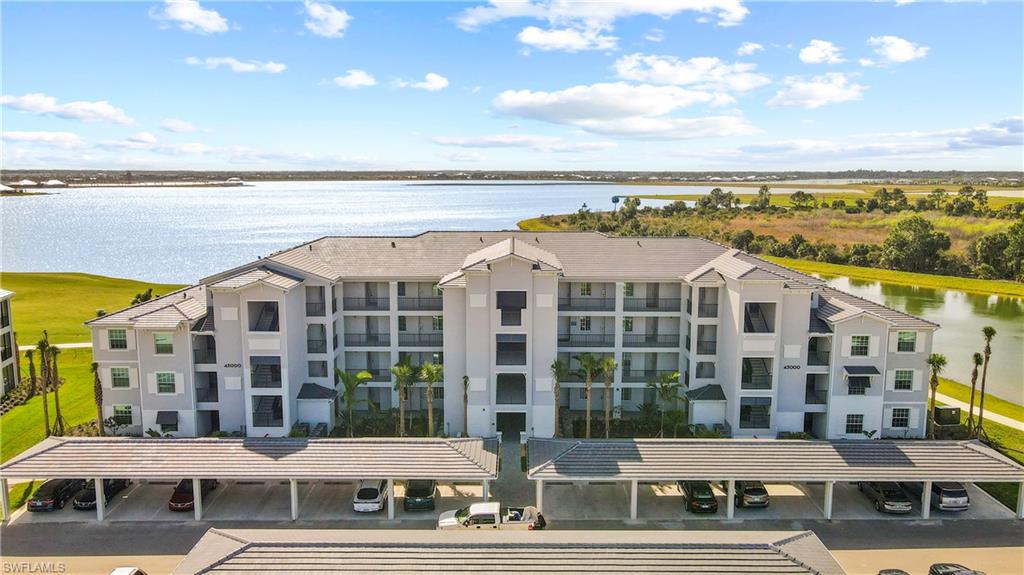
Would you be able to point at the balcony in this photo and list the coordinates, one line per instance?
(204, 355)
(707, 310)
(815, 357)
(586, 304)
(434, 339)
(651, 304)
(651, 340)
(430, 303)
(206, 395)
(707, 347)
(645, 375)
(368, 339)
(378, 374)
(816, 397)
(366, 303)
(586, 339)
(316, 309)
(316, 346)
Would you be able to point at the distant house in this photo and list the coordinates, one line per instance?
(25, 183)
(54, 184)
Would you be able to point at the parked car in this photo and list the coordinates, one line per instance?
(183, 499)
(751, 494)
(492, 515)
(951, 569)
(698, 497)
(887, 496)
(370, 495)
(127, 571)
(420, 495)
(86, 498)
(893, 572)
(54, 494)
(946, 496)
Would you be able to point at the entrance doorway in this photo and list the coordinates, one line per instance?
(510, 425)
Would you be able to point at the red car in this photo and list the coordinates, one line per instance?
(183, 500)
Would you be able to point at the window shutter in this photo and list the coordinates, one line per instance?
(108, 411)
(151, 383)
(917, 380)
(136, 415)
(179, 383)
(872, 346)
(913, 418)
(133, 378)
(104, 340)
(847, 343)
(129, 337)
(890, 380)
(894, 338)
(105, 380)
(887, 417)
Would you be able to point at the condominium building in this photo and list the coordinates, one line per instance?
(8, 352)
(759, 349)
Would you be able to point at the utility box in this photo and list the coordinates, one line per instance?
(945, 415)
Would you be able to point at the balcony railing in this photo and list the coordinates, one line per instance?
(756, 382)
(431, 303)
(707, 310)
(586, 339)
(366, 303)
(378, 374)
(367, 339)
(707, 347)
(202, 355)
(815, 357)
(645, 375)
(421, 339)
(651, 340)
(586, 304)
(651, 304)
(206, 394)
(316, 308)
(316, 346)
(816, 397)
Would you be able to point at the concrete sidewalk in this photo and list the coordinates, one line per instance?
(989, 416)
(78, 345)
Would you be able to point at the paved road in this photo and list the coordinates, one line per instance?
(989, 416)
(60, 345)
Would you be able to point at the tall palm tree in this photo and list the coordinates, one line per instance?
(589, 367)
(559, 372)
(350, 383)
(465, 406)
(977, 359)
(97, 396)
(667, 390)
(936, 363)
(43, 347)
(58, 417)
(988, 332)
(32, 389)
(431, 374)
(608, 367)
(405, 377)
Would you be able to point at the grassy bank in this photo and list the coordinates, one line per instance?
(1010, 443)
(61, 302)
(993, 404)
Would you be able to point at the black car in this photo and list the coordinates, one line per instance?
(698, 497)
(420, 495)
(86, 498)
(951, 569)
(887, 496)
(183, 500)
(54, 494)
(751, 494)
(893, 572)
(946, 495)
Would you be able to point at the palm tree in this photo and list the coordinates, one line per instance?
(351, 383)
(608, 367)
(43, 347)
(58, 418)
(32, 389)
(589, 367)
(667, 389)
(977, 359)
(988, 332)
(465, 406)
(430, 373)
(559, 372)
(97, 395)
(405, 377)
(936, 362)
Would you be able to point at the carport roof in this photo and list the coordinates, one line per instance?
(468, 459)
(405, 551)
(768, 460)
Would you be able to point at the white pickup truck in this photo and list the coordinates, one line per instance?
(492, 516)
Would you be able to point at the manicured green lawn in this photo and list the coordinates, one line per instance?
(19, 493)
(62, 302)
(993, 404)
(1010, 443)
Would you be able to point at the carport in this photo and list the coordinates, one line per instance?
(633, 461)
(281, 459)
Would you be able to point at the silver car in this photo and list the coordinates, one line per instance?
(370, 495)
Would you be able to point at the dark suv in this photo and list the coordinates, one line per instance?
(86, 498)
(887, 496)
(698, 497)
(420, 495)
(54, 494)
(751, 494)
(183, 499)
(946, 495)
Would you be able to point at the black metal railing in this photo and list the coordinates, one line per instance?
(422, 339)
(430, 303)
(586, 339)
(206, 394)
(316, 308)
(266, 378)
(204, 355)
(816, 357)
(756, 382)
(510, 358)
(645, 375)
(368, 339)
(378, 374)
(586, 304)
(707, 310)
(316, 346)
(366, 303)
(815, 397)
(651, 340)
(707, 347)
(651, 304)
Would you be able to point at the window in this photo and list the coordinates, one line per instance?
(900, 417)
(583, 393)
(627, 289)
(585, 323)
(317, 369)
(267, 411)
(511, 316)
(755, 412)
(906, 341)
(164, 343)
(759, 318)
(511, 349)
(756, 373)
(627, 324)
(168, 428)
(705, 370)
(437, 322)
(401, 289)
(436, 290)
(854, 423)
(119, 377)
(118, 339)
(439, 392)
(511, 304)
(481, 520)
(265, 371)
(437, 357)
(401, 323)
(510, 389)
(165, 383)
(627, 394)
(859, 345)
(859, 385)
(904, 380)
(585, 288)
(263, 316)
(123, 414)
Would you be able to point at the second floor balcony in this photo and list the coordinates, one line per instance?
(651, 304)
(379, 303)
(422, 303)
(586, 304)
(586, 339)
(204, 350)
(316, 346)
(816, 397)
(818, 357)
(368, 339)
(427, 339)
(645, 375)
(650, 340)
(707, 347)
(376, 374)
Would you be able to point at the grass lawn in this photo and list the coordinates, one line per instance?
(61, 302)
(1010, 443)
(993, 404)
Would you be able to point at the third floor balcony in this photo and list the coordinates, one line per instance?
(650, 340)
(367, 339)
(586, 304)
(378, 303)
(586, 339)
(651, 304)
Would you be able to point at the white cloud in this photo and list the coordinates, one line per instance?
(566, 39)
(866, 62)
(179, 126)
(143, 138)
(821, 51)
(748, 48)
(54, 139)
(896, 50)
(355, 79)
(190, 16)
(431, 82)
(818, 91)
(703, 73)
(41, 104)
(903, 2)
(325, 20)
(236, 65)
(537, 143)
(655, 35)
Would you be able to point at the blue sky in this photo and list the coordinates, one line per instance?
(644, 85)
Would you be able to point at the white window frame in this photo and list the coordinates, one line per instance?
(627, 394)
(627, 324)
(867, 346)
(156, 346)
(628, 289)
(586, 289)
(585, 323)
(437, 322)
(403, 323)
(127, 378)
(856, 421)
(909, 381)
(893, 417)
(913, 341)
(111, 339)
(125, 411)
(174, 382)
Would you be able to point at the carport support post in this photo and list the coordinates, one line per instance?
(197, 498)
(101, 499)
(7, 505)
(391, 498)
(1020, 500)
(632, 499)
(487, 490)
(730, 499)
(926, 500)
(293, 485)
(540, 495)
(829, 485)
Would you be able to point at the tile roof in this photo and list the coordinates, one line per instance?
(262, 275)
(314, 391)
(420, 551)
(164, 312)
(769, 460)
(839, 306)
(712, 392)
(511, 247)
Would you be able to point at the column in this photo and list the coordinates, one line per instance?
(487, 490)
(540, 495)
(197, 498)
(1020, 500)
(391, 499)
(633, 499)
(730, 499)
(294, 486)
(6, 505)
(101, 499)
(829, 485)
(926, 500)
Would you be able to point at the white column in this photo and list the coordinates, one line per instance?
(632, 499)
(293, 484)
(197, 498)
(101, 499)
(730, 499)
(6, 505)
(540, 495)
(829, 485)
(926, 500)
(1020, 500)
(391, 498)
(487, 490)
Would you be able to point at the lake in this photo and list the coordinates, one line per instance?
(173, 234)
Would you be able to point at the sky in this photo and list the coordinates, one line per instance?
(685, 85)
